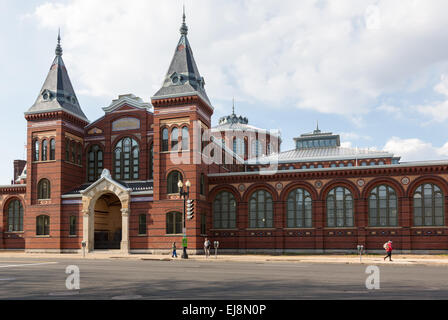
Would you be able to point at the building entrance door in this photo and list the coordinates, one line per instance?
(107, 222)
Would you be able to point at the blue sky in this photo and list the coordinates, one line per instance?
(375, 72)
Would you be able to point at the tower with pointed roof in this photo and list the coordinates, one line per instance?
(55, 140)
(182, 110)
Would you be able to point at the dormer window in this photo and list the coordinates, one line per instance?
(47, 95)
(176, 78)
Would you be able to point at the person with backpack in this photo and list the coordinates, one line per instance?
(207, 245)
(388, 247)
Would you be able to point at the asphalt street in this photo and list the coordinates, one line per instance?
(117, 279)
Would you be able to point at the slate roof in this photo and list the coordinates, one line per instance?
(321, 154)
(135, 186)
(183, 77)
(57, 92)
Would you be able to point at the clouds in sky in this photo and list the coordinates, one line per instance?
(344, 57)
(335, 57)
(416, 149)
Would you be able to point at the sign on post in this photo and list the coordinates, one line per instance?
(360, 251)
(184, 242)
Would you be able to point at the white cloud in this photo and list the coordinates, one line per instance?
(415, 149)
(437, 111)
(333, 57)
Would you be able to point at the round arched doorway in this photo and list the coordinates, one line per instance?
(107, 222)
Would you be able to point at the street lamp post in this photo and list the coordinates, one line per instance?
(184, 194)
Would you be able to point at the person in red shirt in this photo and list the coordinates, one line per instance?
(388, 248)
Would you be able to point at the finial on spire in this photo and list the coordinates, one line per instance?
(58, 50)
(233, 105)
(183, 28)
(317, 127)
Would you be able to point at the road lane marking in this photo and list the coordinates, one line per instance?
(129, 297)
(28, 264)
(64, 293)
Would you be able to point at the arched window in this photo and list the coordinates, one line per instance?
(126, 159)
(224, 211)
(164, 139)
(94, 163)
(383, 207)
(256, 148)
(67, 150)
(42, 225)
(15, 216)
(261, 210)
(339, 208)
(36, 150)
(44, 150)
(202, 184)
(142, 224)
(239, 147)
(79, 154)
(174, 139)
(73, 151)
(173, 179)
(174, 223)
(299, 209)
(52, 149)
(185, 138)
(43, 189)
(151, 162)
(428, 206)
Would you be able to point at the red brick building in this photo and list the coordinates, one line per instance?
(113, 182)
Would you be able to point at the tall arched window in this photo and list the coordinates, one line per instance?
(73, 151)
(151, 162)
(174, 223)
(173, 179)
(299, 209)
(261, 210)
(383, 207)
(340, 208)
(43, 189)
(185, 138)
(52, 149)
(43, 225)
(67, 150)
(239, 147)
(126, 159)
(224, 211)
(174, 139)
(15, 216)
(165, 139)
(36, 150)
(202, 184)
(256, 148)
(95, 163)
(428, 206)
(79, 154)
(44, 150)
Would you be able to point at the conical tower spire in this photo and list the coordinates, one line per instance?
(57, 93)
(183, 77)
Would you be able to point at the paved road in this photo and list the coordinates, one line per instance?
(31, 278)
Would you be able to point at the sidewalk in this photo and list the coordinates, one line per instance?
(441, 260)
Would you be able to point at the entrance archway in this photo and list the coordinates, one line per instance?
(103, 195)
(107, 222)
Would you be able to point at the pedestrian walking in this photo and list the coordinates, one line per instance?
(173, 248)
(388, 247)
(207, 245)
